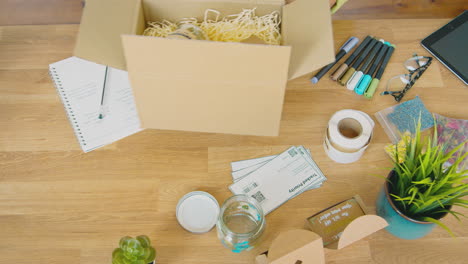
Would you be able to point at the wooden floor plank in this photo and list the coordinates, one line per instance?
(40, 12)
(60, 205)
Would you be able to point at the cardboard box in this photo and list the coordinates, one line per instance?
(294, 246)
(206, 86)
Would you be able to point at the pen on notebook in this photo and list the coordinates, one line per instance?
(375, 82)
(357, 76)
(101, 108)
(349, 44)
(344, 79)
(366, 78)
(341, 70)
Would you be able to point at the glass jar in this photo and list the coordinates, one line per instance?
(241, 223)
(188, 31)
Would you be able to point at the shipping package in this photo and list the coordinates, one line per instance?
(206, 86)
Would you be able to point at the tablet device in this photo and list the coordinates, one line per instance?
(449, 45)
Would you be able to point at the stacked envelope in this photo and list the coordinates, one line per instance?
(273, 180)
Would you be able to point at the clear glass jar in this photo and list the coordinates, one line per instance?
(188, 31)
(241, 223)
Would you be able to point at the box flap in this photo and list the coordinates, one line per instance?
(207, 86)
(307, 28)
(261, 259)
(361, 227)
(102, 23)
(296, 245)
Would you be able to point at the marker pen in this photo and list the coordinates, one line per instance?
(357, 76)
(349, 44)
(344, 79)
(375, 82)
(342, 69)
(366, 79)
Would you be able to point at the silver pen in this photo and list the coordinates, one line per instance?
(102, 108)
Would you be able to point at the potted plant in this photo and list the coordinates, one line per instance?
(134, 251)
(420, 189)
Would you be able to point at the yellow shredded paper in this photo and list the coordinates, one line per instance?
(233, 28)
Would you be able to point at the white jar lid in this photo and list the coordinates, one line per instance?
(197, 212)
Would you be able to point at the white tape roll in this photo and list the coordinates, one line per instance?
(348, 135)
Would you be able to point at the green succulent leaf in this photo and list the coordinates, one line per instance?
(134, 251)
(144, 241)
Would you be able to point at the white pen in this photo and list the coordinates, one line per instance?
(102, 108)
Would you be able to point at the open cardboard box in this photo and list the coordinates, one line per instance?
(303, 246)
(292, 247)
(206, 86)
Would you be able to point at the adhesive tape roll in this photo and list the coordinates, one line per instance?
(348, 135)
(340, 156)
(350, 129)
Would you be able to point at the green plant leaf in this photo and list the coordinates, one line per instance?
(422, 186)
(124, 241)
(117, 256)
(152, 255)
(144, 241)
(437, 222)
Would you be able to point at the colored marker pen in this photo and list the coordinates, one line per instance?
(366, 79)
(344, 79)
(375, 82)
(357, 76)
(349, 44)
(343, 67)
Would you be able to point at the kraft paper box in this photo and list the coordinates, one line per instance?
(294, 246)
(206, 86)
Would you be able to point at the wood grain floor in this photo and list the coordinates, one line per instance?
(39, 12)
(59, 205)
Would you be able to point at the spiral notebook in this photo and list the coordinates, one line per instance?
(79, 84)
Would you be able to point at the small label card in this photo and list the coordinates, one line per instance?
(330, 223)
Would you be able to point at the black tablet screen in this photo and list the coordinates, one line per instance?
(454, 48)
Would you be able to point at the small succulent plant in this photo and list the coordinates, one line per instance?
(134, 251)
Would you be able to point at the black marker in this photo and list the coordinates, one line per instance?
(375, 82)
(341, 70)
(343, 50)
(361, 86)
(357, 76)
(352, 69)
(364, 84)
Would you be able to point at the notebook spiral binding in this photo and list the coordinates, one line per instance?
(71, 116)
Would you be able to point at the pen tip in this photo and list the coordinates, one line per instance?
(314, 80)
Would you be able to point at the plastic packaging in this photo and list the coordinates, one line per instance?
(452, 132)
(403, 117)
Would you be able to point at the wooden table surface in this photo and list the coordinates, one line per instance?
(59, 205)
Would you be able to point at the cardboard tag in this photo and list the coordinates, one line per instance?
(345, 223)
(330, 223)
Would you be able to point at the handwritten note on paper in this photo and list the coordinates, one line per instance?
(330, 223)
